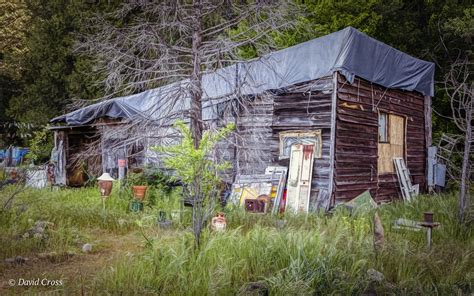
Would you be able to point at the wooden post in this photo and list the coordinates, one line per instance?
(429, 237)
(429, 231)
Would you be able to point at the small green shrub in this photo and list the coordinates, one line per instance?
(198, 171)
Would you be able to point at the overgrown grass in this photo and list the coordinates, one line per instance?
(311, 255)
(73, 212)
(314, 254)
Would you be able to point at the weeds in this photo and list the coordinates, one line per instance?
(313, 254)
(310, 255)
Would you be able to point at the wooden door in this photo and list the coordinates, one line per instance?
(299, 178)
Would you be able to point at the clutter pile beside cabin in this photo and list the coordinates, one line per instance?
(357, 103)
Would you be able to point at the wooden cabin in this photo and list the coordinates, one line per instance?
(359, 102)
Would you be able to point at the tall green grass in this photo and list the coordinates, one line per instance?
(74, 212)
(311, 255)
(315, 254)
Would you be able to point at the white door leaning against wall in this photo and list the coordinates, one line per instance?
(299, 178)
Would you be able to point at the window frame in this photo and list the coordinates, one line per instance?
(316, 134)
(387, 127)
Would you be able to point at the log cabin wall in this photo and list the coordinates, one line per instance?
(303, 107)
(256, 145)
(356, 152)
(307, 107)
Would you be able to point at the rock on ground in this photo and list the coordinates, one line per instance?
(86, 248)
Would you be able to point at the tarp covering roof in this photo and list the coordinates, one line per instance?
(348, 51)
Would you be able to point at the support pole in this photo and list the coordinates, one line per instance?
(429, 237)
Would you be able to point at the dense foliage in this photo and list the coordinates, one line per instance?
(40, 74)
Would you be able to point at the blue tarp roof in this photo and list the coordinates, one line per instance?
(348, 51)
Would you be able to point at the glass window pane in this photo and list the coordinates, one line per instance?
(383, 135)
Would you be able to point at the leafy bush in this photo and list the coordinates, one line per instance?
(159, 179)
(198, 171)
(40, 146)
(136, 179)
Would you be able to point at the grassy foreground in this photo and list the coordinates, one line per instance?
(310, 255)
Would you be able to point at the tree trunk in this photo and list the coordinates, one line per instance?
(198, 222)
(197, 225)
(197, 211)
(195, 79)
(465, 172)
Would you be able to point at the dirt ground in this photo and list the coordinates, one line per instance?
(68, 272)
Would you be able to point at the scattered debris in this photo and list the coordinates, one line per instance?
(261, 204)
(251, 187)
(46, 255)
(9, 261)
(361, 203)
(38, 230)
(38, 235)
(121, 222)
(56, 257)
(18, 260)
(43, 224)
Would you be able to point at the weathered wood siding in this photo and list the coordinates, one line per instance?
(357, 139)
(302, 107)
(257, 147)
(307, 110)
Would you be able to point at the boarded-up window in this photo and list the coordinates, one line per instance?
(394, 146)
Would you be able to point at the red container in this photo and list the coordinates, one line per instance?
(139, 192)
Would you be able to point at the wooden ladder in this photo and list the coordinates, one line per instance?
(409, 191)
(446, 147)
